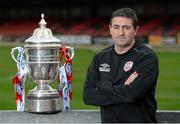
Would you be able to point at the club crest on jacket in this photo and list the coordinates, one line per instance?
(127, 66)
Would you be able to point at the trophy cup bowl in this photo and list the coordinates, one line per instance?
(42, 52)
(42, 66)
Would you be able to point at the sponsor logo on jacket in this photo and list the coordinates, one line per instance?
(104, 67)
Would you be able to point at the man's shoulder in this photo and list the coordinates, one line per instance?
(105, 50)
(103, 54)
(143, 49)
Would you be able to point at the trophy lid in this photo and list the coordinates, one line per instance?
(42, 34)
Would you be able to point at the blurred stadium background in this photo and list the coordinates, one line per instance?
(84, 25)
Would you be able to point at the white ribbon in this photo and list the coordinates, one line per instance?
(22, 72)
(63, 87)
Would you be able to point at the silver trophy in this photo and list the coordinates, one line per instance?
(42, 52)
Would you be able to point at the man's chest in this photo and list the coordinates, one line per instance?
(116, 68)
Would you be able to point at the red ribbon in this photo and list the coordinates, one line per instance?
(17, 84)
(68, 69)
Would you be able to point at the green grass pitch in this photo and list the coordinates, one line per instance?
(167, 92)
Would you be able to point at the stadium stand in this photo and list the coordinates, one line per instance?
(149, 27)
(95, 27)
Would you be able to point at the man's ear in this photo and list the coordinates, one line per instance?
(136, 30)
(110, 28)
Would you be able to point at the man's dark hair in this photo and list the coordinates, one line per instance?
(126, 12)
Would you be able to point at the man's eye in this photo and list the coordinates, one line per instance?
(115, 27)
(127, 27)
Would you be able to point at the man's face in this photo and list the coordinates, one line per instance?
(122, 31)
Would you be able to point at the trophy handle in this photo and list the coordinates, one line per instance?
(71, 51)
(13, 51)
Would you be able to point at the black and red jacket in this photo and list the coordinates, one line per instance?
(104, 84)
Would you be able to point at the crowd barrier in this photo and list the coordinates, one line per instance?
(75, 116)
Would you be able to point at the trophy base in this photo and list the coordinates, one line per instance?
(43, 102)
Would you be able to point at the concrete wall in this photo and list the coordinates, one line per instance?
(76, 116)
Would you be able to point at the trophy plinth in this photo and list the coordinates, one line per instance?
(43, 99)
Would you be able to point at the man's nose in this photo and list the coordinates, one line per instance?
(121, 31)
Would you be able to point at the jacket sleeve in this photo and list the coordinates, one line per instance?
(91, 95)
(147, 69)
